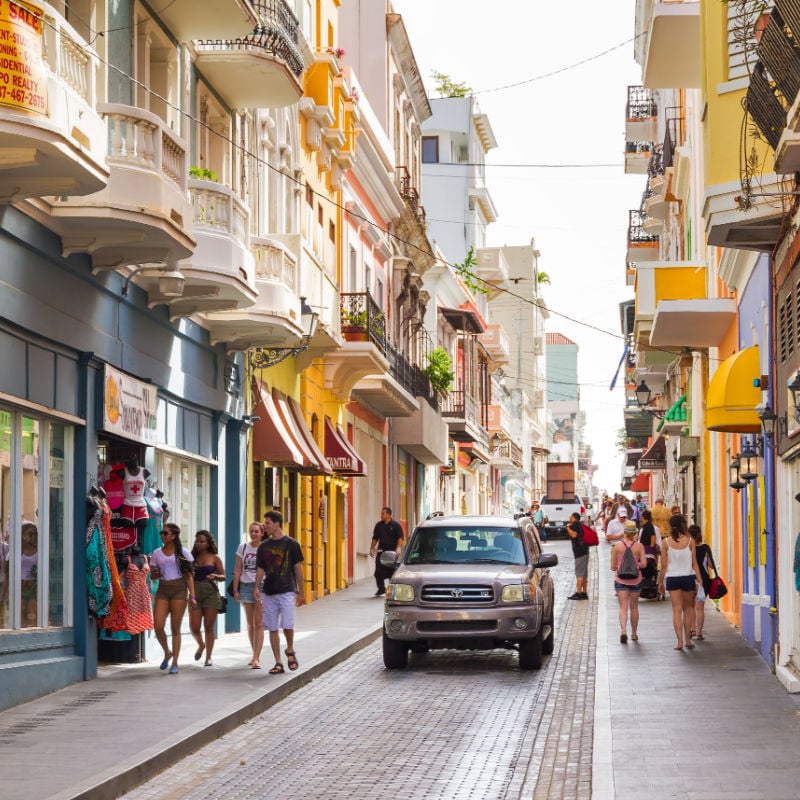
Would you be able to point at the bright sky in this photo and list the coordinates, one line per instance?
(578, 215)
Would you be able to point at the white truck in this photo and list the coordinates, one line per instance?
(560, 502)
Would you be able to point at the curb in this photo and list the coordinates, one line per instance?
(128, 775)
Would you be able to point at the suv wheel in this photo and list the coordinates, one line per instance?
(549, 643)
(530, 652)
(395, 654)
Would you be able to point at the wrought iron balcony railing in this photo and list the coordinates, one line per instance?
(655, 166)
(409, 193)
(361, 315)
(636, 232)
(764, 107)
(781, 56)
(641, 103)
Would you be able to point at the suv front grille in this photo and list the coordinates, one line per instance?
(449, 593)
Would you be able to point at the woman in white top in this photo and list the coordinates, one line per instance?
(680, 574)
(171, 564)
(244, 581)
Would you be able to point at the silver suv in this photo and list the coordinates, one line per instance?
(470, 583)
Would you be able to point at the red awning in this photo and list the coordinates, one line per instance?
(271, 441)
(641, 483)
(297, 412)
(340, 453)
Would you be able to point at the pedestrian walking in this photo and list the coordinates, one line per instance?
(660, 515)
(703, 557)
(279, 575)
(537, 515)
(615, 527)
(208, 572)
(171, 564)
(387, 535)
(628, 579)
(680, 576)
(580, 552)
(244, 583)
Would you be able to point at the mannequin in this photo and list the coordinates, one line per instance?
(134, 508)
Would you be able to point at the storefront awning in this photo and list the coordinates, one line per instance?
(733, 394)
(340, 453)
(311, 464)
(655, 457)
(641, 483)
(297, 412)
(272, 442)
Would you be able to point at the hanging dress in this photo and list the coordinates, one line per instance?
(137, 593)
(117, 618)
(98, 575)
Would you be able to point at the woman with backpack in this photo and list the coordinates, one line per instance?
(680, 575)
(627, 559)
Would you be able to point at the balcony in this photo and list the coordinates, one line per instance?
(492, 265)
(637, 157)
(674, 310)
(424, 433)
(642, 246)
(274, 319)
(365, 348)
(671, 56)
(410, 194)
(787, 149)
(144, 214)
(269, 56)
(497, 345)
(390, 394)
(507, 457)
(189, 20)
(52, 141)
(641, 115)
(465, 418)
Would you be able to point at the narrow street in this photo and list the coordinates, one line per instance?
(460, 725)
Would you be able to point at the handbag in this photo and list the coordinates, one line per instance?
(716, 587)
(229, 589)
(224, 607)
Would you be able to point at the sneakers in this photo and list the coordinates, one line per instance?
(578, 596)
(380, 593)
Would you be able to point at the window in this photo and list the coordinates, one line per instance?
(186, 485)
(430, 149)
(36, 467)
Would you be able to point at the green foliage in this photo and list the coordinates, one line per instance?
(440, 370)
(542, 277)
(203, 174)
(355, 319)
(467, 272)
(445, 87)
(621, 442)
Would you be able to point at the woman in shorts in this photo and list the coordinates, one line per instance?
(244, 582)
(680, 575)
(208, 571)
(171, 565)
(628, 589)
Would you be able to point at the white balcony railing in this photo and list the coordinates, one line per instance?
(218, 209)
(274, 263)
(138, 138)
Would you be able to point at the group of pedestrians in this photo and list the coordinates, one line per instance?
(645, 543)
(267, 581)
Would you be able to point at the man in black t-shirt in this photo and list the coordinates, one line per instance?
(387, 535)
(580, 552)
(279, 563)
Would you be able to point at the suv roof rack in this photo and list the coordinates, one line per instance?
(435, 514)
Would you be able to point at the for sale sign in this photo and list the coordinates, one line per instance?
(23, 76)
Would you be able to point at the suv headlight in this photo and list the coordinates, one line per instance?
(400, 591)
(516, 593)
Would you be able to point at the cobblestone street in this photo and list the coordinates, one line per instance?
(454, 725)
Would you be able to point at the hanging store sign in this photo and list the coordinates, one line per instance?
(129, 406)
(23, 77)
(652, 463)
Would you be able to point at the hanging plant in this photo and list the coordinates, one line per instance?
(439, 370)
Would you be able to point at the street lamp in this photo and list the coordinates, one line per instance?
(643, 399)
(733, 471)
(748, 462)
(263, 357)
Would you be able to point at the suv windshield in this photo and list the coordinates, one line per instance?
(466, 545)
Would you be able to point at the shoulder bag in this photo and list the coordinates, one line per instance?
(716, 588)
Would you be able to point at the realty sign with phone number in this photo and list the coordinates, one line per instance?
(23, 76)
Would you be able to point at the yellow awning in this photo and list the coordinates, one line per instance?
(733, 394)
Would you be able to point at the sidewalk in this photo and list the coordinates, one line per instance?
(711, 722)
(87, 741)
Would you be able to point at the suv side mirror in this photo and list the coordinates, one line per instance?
(389, 558)
(547, 560)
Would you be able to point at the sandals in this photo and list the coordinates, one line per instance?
(291, 659)
(277, 669)
(700, 636)
(634, 637)
(198, 654)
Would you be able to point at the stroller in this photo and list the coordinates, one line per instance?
(649, 590)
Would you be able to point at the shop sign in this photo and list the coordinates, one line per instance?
(129, 406)
(23, 78)
(652, 463)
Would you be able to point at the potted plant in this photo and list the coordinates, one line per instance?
(203, 174)
(439, 370)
